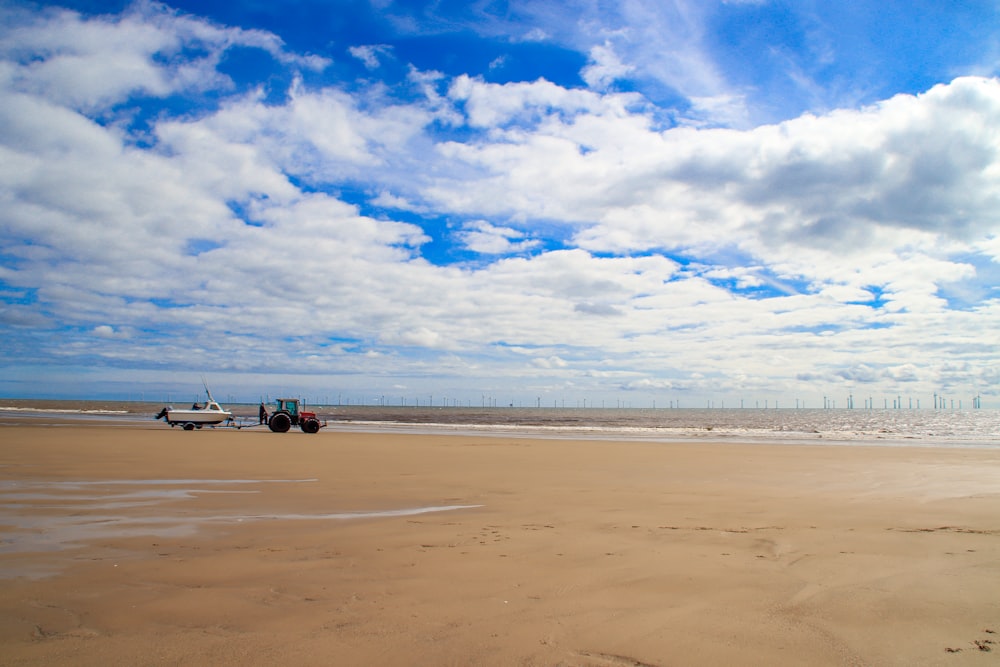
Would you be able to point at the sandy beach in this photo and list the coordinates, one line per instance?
(144, 545)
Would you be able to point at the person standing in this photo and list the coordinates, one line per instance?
(262, 413)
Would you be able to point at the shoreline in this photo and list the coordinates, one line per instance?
(238, 548)
(246, 419)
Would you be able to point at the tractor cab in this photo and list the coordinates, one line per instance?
(289, 405)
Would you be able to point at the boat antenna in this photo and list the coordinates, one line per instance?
(207, 390)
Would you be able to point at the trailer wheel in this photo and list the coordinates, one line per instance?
(189, 426)
(310, 426)
(279, 422)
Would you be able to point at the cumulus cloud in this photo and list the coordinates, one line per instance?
(550, 362)
(370, 54)
(319, 232)
(482, 237)
(490, 105)
(91, 64)
(605, 67)
(839, 192)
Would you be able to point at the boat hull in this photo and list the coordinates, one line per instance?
(198, 416)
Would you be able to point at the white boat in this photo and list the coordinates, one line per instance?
(197, 415)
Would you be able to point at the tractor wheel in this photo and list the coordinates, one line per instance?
(310, 426)
(279, 422)
(189, 426)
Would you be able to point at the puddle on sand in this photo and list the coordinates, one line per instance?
(53, 516)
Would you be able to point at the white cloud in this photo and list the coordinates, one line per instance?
(605, 67)
(420, 337)
(660, 42)
(550, 362)
(484, 238)
(611, 251)
(370, 54)
(490, 105)
(914, 174)
(93, 63)
(109, 332)
(722, 109)
(535, 35)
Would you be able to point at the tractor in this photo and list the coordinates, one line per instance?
(287, 414)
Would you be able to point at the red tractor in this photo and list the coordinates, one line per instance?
(287, 414)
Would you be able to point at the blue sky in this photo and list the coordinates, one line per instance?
(631, 203)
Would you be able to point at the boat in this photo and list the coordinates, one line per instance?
(197, 416)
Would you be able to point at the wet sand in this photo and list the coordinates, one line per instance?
(143, 545)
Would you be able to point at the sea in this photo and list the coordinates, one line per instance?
(890, 427)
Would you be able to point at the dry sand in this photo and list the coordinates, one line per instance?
(576, 552)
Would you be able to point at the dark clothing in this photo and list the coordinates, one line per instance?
(263, 414)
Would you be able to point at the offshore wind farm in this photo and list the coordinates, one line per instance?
(942, 426)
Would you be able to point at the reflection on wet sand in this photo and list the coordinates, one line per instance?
(48, 516)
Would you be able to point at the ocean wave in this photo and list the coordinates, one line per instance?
(65, 411)
(750, 433)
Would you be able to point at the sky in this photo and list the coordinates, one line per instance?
(639, 203)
